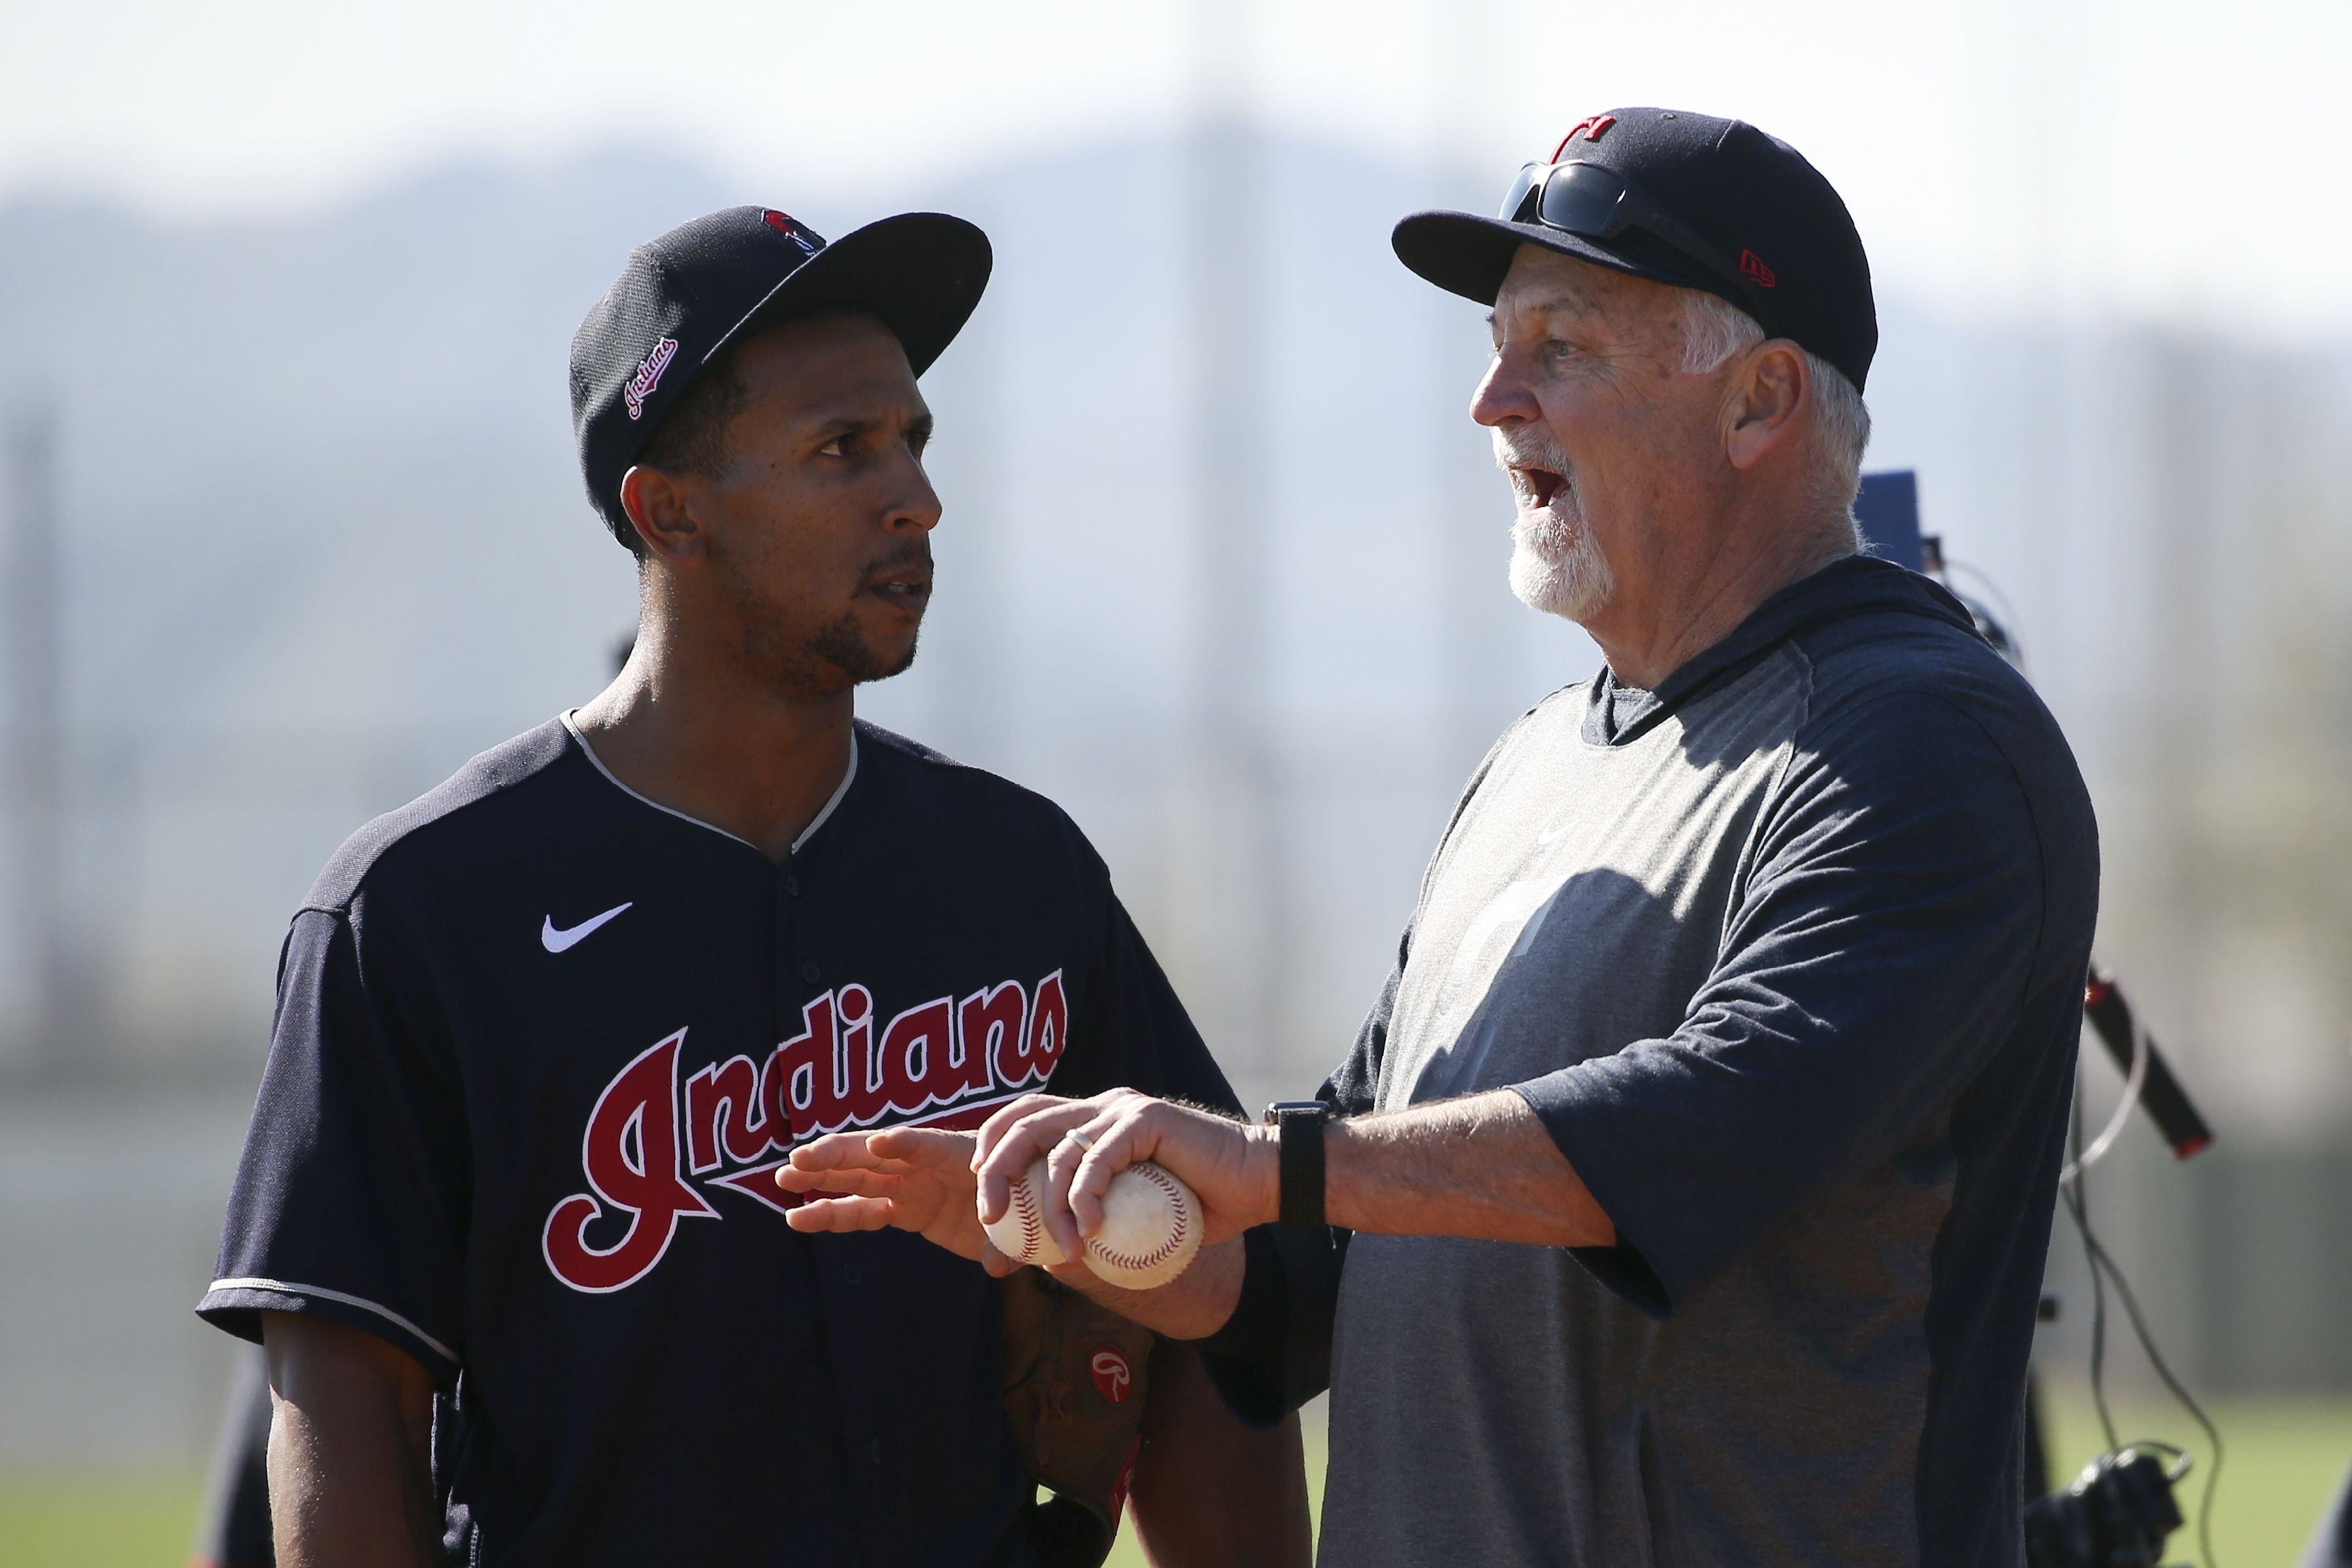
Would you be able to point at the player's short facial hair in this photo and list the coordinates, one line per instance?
(833, 655)
(1556, 565)
(841, 646)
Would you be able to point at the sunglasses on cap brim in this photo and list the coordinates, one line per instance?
(1593, 203)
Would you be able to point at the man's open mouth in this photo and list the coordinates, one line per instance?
(1537, 487)
(908, 588)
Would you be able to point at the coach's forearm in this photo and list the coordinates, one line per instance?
(351, 1431)
(1192, 1306)
(1481, 1166)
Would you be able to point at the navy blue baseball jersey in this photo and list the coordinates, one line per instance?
(541, 1042)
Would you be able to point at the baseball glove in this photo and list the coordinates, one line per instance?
(1075, 1381)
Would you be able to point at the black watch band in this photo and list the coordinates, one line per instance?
(1300, 1122)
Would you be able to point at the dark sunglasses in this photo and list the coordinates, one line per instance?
(1594, 202)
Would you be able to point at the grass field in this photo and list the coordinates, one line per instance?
(2285, 1458)
(98, 1521)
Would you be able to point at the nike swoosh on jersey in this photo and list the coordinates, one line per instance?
(556, 941)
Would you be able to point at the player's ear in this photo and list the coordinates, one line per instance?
(1765, 399)
(656, 504)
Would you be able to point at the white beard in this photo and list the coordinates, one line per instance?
(1556, 564)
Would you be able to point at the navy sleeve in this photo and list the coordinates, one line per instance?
(351, 1198)
(1274, 1355)
(1879, 954)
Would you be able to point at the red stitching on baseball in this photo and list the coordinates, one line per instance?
(1033, 1219)
(1166, 1249)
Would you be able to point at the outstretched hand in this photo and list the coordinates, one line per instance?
(1232, 1167)
(942, 1185)
(917, 1179)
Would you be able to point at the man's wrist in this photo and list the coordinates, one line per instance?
(1262, 1155)
(1299, 1127)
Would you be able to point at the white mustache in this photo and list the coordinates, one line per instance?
(1530, 448)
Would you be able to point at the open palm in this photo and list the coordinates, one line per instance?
(915, 1179)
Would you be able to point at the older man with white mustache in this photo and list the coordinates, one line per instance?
(1684, 1198)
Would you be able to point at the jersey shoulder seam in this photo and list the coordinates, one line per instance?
(1909, 690)
(931, 757)
(906, 746)
(484, 776)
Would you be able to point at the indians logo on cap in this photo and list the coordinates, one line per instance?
(782, 224)
(1590, 128)
(649, 374)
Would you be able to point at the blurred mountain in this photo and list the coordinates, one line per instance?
(312, 471)
(322, 537)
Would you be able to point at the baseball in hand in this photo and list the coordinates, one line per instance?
(1151, 1228)
(1020, 1231)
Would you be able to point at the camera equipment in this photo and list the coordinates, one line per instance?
(2111, 1018)
(2117, 1514)
(2119, 1511)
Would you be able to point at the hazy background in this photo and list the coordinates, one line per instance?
(294, 522)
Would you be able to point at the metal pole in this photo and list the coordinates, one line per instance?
(1229, 870)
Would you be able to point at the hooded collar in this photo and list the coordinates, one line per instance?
(1857, 584)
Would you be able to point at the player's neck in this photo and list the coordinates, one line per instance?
(688, 732)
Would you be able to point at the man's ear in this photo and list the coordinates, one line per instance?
(1761, 412)
(656, 504)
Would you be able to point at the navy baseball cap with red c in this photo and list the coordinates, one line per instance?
(686, 297)
(1678, 198)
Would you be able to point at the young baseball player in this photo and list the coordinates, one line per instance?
(506, 1222)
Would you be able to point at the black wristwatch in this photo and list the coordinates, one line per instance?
(1301, 1121)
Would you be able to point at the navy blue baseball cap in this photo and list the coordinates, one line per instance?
(1679, 198)
(684, 299)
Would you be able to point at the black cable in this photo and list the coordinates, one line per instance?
(2101, 1258)
(2100, 1261)
(2078, 1208)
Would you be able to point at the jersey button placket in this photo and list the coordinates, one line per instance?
(794, 973)
(798, 978)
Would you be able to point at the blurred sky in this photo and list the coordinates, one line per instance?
(2132, 158)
